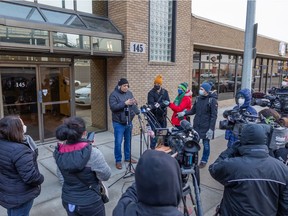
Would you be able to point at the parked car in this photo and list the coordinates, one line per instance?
(83, 96)
(208, 75)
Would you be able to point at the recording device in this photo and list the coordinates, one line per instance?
(234, 120)
(278, 102)
(90, 136)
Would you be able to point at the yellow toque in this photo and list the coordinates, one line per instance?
(158, 80)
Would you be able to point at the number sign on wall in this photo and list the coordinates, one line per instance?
(137, 47)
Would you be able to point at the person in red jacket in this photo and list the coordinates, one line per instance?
(182, 102)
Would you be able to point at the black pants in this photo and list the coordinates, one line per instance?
(94, 209)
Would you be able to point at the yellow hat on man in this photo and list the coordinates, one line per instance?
(158, 80)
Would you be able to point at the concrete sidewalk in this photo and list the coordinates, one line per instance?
(49, 202)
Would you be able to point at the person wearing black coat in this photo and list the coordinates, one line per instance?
(156, 96)
(19, 177)
(205, 109)
(157, 189)
(254, 182)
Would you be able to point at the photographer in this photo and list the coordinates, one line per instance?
(155, 99)
(243, 100)
(157, 189)
(254, 182)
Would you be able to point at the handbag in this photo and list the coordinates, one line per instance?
(102, 191)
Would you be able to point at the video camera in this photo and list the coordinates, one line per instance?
(234, 119)
(278, 102)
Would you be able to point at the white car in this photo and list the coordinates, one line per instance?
(206, 75)
(83, 96)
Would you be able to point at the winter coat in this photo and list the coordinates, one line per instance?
(117, 105)
(205, 109)
(245, 108)
(154, 97)
(20, 177)
(157, 190)
(254, 182)
(185, 104)
(82, 167)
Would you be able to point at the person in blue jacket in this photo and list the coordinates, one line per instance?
(243, 101)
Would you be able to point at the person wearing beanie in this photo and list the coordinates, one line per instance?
(243, 105)
(251, 177)
(121, 100)
(182, 102)
(155, 100)
(157, 189)
(205, 109)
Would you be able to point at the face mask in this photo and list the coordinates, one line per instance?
(180, 91)
(24, 129)
(201, 92)
(241, 101)
(157, 87)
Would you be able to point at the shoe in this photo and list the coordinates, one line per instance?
(118, 165)
(202, 165)
(132, 161)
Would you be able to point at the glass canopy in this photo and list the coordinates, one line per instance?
(35, 25)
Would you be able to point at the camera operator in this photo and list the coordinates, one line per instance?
(155, 99)
(205, 109)
(254, 182)
(157, 189)
(243, 100)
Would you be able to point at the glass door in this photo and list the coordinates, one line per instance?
(19, 96)
(54, 97)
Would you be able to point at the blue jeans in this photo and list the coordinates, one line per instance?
(94, 209)
(22, 210)
(206, 150)
(122, 131)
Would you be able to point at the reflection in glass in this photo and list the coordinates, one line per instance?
(23, 36)
(71, 41)
(107, 45)
(101, 25)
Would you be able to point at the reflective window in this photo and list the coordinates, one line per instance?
(99, 24)
(85, 6)
(107, 45)
(70, 41)
(23, 12)
(54, 3)
(161, 30)
(23, 36)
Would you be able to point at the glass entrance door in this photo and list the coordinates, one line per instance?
(19, 96)
(54, 97)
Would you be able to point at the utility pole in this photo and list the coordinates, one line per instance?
(249, 45)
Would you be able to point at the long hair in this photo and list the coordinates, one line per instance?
(71, 130)
(11, 128)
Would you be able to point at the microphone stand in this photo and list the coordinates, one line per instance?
(130, 170)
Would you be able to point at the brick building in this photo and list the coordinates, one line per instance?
(107, 40)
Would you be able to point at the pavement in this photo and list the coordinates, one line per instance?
(49, 202)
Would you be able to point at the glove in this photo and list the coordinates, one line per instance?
(181, 114)
(209, 134)
(166, 103)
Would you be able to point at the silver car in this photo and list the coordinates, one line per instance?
(83, 96)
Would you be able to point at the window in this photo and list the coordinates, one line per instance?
(162, 30)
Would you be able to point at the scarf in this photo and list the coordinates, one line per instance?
(179, 98)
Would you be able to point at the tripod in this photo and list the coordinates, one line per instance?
(130, 170)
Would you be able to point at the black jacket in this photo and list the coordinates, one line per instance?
(205, 109)
(20, 178)
(255, 183)
(117, 105)
(155, 97)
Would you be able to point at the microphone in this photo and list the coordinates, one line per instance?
(186, 125)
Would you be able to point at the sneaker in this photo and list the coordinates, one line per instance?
(118, 165)
(202, 165)
(132, 161)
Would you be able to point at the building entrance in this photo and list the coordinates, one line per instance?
(39, 94)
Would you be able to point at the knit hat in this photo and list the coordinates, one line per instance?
(183, 86)
(122, 81)
(158, 80)
(206, 86)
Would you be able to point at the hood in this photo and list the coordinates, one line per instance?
(213, 94)
(247, 96)
(158, 179)
(253, 134)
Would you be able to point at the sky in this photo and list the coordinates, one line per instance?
(271, 15)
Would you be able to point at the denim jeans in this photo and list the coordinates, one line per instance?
(94, 209)
(122, 131)
(22, 210)
(206, 150)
